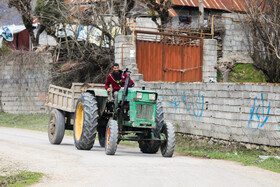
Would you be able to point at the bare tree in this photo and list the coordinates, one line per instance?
(264, 36)
(159, 9)
(85, 37)
(25, 9)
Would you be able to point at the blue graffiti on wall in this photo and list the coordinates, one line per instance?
(277, 113)
(193, 105)
(258, 112)
(175, 101)
(198, 106)
(187, 103)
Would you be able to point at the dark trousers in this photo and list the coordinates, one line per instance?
(116, 93)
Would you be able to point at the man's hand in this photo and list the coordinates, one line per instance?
(109, 89)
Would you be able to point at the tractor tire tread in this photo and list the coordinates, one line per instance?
(89, 130)
(113, 139)
(59, 127)
(159, 116)
(146, 147)
(170, 141)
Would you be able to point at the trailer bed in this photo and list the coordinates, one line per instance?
(65, 99)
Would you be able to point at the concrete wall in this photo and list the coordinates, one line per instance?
(145, 22)
(241, 112)
(209, 73)
(235, 42)
(193, 14)
(24, 80)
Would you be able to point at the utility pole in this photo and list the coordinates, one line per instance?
(201, 15)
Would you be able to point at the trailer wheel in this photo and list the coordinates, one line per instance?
(111, 138)
(85, 121)
(167, 147)
(56, 127)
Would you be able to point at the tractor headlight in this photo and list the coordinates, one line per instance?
(139, 95)
(152, 97)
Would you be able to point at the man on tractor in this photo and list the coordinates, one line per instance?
(117, 79)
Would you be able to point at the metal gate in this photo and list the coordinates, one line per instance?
(169, 57)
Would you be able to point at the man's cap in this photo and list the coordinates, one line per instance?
(115, 64)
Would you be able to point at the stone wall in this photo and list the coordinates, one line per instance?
(24, 81)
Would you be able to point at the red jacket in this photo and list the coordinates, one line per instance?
(117, 84)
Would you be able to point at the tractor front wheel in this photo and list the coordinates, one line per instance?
(56, 127)
(159, 117)
(150, 146)
(86, 121)
(111, 137)
(167, 147)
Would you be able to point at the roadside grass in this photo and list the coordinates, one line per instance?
(184, 146)
(23, 178)
(37, 122)
(249, 157)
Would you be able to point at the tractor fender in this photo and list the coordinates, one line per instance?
(101, 98)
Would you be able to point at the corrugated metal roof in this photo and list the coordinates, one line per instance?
(172, 12)
(230, 5)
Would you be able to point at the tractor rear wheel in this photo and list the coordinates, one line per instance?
(56, 127)
(111, 138)
(167, 147)
(85, 121)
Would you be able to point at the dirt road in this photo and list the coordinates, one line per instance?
(64, 165)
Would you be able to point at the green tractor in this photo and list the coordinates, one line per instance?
(139, 118)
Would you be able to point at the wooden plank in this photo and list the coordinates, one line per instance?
(65, 99)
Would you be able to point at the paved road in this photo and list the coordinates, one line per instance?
(64, 165)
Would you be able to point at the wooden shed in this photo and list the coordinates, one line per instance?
(21, 41)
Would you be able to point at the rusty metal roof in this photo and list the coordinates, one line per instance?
(229, 5)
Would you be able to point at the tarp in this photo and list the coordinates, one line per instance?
(16, 28)
(7, 32)
(89, 32)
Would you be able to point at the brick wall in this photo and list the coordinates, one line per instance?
(24, 80)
